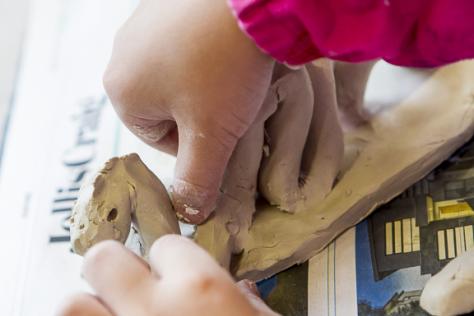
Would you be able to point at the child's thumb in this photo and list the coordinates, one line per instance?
(201, 163)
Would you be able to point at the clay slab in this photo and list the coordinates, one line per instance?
(402, 145)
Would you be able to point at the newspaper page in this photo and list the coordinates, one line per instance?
(325, 285)
(62, 127)
(381, 266)
(13, 16)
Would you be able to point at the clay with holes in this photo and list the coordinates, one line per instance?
(123, 192)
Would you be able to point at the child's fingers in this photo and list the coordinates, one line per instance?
(286, 131)
(176, 258)
(200, 166)
(160, 134)
(250, 291)
(119, 278)
(83, 305)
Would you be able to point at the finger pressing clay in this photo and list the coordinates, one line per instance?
(223, 234)
(305, 140)
(450, 292)
(122, 192)
(324, 148)
(286, 132)
(351, 81)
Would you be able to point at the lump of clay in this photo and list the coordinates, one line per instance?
(123, 192)
(450, 292)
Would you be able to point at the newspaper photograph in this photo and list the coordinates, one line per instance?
(385, 261)
(405, 242)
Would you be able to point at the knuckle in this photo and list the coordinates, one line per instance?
(226, 136)
(151, 131)
(211, 289)
(236, 124)
(203, 283)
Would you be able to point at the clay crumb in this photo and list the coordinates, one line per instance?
(191, 211)
(266, 150)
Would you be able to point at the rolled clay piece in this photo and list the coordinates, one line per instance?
(450, 292)
(304, 139)
(122, 192)
(351, 81)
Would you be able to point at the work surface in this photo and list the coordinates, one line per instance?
(63, 126)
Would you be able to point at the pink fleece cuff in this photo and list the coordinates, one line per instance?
(275, 30)
(421, 33)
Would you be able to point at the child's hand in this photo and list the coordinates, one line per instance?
(186, 80)
(183, 280)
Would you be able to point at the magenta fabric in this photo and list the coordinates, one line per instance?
(420, 33)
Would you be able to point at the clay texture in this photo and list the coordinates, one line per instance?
(402, 145)
(123, 192)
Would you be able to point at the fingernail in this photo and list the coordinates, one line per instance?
(191, 202)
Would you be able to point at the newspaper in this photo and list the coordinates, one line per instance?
(381, 266)
(62, 126)
(13, 17)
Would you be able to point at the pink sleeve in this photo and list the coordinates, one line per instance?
(420, 33)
